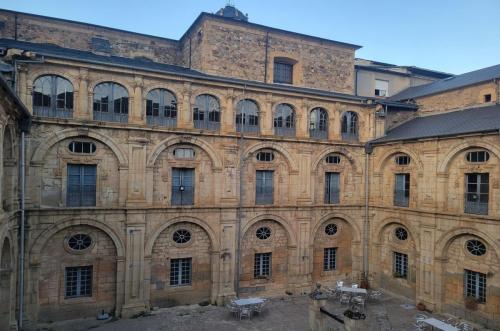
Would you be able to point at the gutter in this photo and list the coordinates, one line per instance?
(366, 223)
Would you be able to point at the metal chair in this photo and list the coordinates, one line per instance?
(245, 312)
(354, 285)
(358, 300)
(464, 326)
(258, 307)
(345, 298)
(235, 310)
(417, 327)
(375, 295)
(340, 283)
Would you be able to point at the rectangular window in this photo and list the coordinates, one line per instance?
(477, 193)
(381, 88)
(81, 185)
(78, 281)
(262, 266)
(182, 186)
(180, 272)
(332, 187)
(400, 265)
(402, 190)
(475, 285)
(283, 72)
(487, 98)
(330, 259)
(264, 187)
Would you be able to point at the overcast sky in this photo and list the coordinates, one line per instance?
(454, 36)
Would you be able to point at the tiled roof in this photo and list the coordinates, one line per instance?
(471, 120)
(451, 83)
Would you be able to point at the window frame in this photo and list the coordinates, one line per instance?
(376, 91)
(80, 187)
(332, 187)
(207, 112)
(178, 273)
(475, 283)
(186, 197)
(474, 200)
(115, 108)
(264, 194)
(402, 196)
(350, 126)
(165, 113)
(400, 265)
(283, 71)
(329, 258)
(262, 265)
(89, 270)
(247, 117)
(318, 123)
(284, 121)
(54, 83)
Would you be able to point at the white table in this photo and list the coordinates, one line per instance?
(353, 290)
(248, 301)
(439, 324)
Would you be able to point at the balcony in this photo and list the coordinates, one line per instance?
(50, 112)
(170, 122)
(247, 128)
(110, 117)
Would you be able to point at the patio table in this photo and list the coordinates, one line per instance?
(439, 324)
(248, 301)
(353, 290)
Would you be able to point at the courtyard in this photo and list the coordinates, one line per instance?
(289, 313)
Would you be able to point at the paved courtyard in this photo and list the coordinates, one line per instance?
(287, 314)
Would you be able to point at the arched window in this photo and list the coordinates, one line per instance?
(206, 113)
(247, 116)
(350, 126)
(110, 103)
(161, 108)
(284, 120)
(318, 123)
(53, 97)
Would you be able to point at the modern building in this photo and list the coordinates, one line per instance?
(237, 160)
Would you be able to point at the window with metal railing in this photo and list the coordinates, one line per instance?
(332, 187)
(206, 113)
(349, 127)
(477, 193)
(284, 120)
(402, 190)
(110, 103)
(475, 285)
(264, 187)
(247, 116)
(52, 97)
(318, 123)
(161, 108)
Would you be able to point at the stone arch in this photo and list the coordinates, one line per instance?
(443, 166)
(197, 92)
(122, 82)
(447, 238)
(396, 150)
(342, 151)
(43, 149)
(355, 229)
(160, 147)
(44, 71)
(44, 237)
(378, 230)
(154, 235)
(292, 164)
(278, 219)
(155, 86)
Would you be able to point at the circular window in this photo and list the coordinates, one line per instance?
(475, 247)
(401, 233)
(331, 229)
(263, 233)
(182, 236)
(79, 242)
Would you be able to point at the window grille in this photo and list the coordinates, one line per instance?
(181, 236)
(475, 247)
(264, 187)
(475, 285)
(81, 185)
(350, 126)
(478, 156)
(180, 272)
(332, 187)
(401, 234)
(402, 190)
(284, 120)
(161, 108)
(283, 72)
(263, 233)
(82, 147)
(262, 265)
(400, 265)
(330, 259)
(78, 281)
(402, 160)
(318, 123)
(79, 242)
(110, 103)
(184, 153)
(52, 97)
(331, 229)
(477, 193)
(206, 113)
(182, 186)
(265, 156)
(333, 159)
(247, 116)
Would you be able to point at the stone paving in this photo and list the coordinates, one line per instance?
(281, 314)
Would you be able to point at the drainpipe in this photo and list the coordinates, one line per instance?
(366, 224)
(265, 57)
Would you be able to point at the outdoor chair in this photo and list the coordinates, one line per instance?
(358, 300)
(375, 295)
(453, 321)
(245, 312)
(354, 285)
(340, 283)
(345, 298)
(464, 326)
(417, 327)
(235, 310)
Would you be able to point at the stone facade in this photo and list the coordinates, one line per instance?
(134, 222)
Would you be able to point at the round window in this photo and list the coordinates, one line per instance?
(263, 233)
(401, 233)
(182, 236)
(79, 242)
(475, 247)
(331, 229)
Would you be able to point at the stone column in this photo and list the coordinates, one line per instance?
(23, 87)
(137, 172)
(304, 187)
(228, 113)
(82, 110)
(134, 265)
(266, 116)
(227, 261)
(302, 120)
(334, 125)
(136, 113)
(184, 112)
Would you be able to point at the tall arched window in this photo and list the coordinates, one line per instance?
(284, 120)
(53, 97)
(247, 116)
(161, 108)
(350, 126)
(318, 123)
(110, 103)
(206, 113)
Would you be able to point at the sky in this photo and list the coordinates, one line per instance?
(454, 36)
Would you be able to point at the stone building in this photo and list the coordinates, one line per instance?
(238, 160)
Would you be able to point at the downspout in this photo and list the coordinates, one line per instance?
(25, 124)
(366, 223)
(265, 58)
